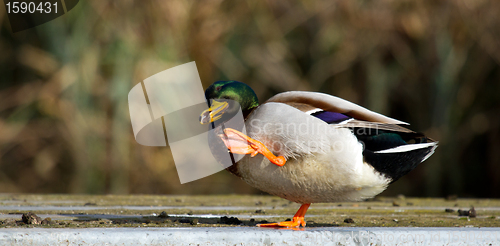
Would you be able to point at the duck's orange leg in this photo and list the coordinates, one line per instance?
(298, 219)
(239, 143)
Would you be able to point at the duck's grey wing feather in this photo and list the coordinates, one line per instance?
(334, 104)
(374, 125)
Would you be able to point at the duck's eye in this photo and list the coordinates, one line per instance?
(218, 88)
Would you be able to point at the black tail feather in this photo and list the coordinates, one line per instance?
(396, 165)
(393, 164)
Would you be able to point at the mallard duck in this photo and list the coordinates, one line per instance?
(310, 147)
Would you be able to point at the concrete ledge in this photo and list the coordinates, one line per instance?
(251, 236)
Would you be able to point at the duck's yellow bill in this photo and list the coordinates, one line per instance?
(213, 113)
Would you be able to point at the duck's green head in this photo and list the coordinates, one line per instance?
(222, 93)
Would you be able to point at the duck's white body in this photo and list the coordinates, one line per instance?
(324, 162)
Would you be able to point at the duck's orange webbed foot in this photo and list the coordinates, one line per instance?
(239, 143)
(298, 219)
(296, 222)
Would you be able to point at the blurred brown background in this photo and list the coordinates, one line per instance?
(64, 122)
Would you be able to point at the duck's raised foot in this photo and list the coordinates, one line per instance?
(239, 143)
